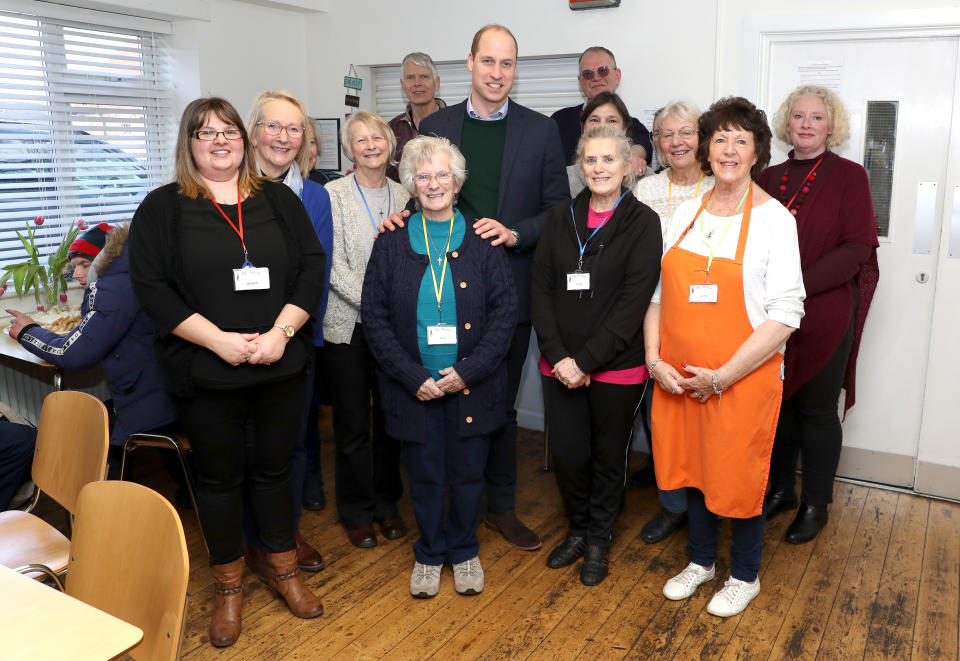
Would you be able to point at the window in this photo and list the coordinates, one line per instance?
(85, 124)
(544, 84)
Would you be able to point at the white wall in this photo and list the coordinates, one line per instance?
(643, 36)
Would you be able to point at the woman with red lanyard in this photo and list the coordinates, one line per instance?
(730, 295)
(594, 270)
(830, 198)
(228, 267)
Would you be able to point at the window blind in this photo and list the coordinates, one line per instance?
(544, 84)
(86, 127)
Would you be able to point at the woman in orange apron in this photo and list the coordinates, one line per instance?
(731, 294)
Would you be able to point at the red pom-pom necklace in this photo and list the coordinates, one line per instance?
(802, 191)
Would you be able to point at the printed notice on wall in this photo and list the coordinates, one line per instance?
(820, 72)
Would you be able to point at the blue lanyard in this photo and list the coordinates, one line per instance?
(583, 245)
(376, 230)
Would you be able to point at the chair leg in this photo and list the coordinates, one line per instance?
(42, 569)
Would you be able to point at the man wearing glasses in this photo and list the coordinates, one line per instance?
(599, 73)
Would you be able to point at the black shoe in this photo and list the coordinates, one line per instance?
(808, 523)
(642, 478)
(661, 525)
(567, 553)
(513, 530)
(779, 500)
(596, 565)
(313, 498)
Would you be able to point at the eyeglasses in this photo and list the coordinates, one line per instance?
(441, 177)
(602, 71)
(272, 128)
(683, 133)
(209, 134)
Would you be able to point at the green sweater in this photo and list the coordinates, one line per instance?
(482, 146)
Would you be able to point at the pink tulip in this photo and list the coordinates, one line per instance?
(3, 290)
(39, 308)
(82, 225)
(38, 221)
(63, 298)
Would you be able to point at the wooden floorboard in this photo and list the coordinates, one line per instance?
(882, 581)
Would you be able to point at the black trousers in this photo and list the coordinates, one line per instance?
(809, 426)
(589, 440)
(368, 483)
(216, 422)
(17, 443)
(500, 474)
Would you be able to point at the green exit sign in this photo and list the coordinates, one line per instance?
(352, 83)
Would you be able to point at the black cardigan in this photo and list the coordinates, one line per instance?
(486, 316)
(602, 329)
(156, 270)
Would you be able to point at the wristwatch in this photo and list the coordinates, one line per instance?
(288, 329)
(516, 235)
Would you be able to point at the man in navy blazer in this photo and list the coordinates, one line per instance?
(516, 173)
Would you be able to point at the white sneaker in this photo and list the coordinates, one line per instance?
(733, 597)
(686, 582)
(425, 580)
(468, 576)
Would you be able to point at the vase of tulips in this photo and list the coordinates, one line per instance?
(48, 282)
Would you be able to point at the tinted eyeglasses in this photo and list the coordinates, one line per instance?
(602, 71)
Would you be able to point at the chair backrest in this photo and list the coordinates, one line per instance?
(72, 440)
(128, 557)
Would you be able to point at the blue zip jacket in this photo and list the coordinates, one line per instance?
(316, 200)
(114, 331)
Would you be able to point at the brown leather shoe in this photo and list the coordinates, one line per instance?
(513, 530)
(392, 527)
(288, 583)
(228, 597)
(362, 537)
(308, 558)
(258, 563)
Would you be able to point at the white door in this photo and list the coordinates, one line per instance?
(899, 93)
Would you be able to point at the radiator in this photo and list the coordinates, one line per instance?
(23, 385)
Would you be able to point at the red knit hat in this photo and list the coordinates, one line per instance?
(90, 243)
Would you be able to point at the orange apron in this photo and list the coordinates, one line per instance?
(720, 447)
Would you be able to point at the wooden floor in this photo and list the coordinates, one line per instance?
(882, 581)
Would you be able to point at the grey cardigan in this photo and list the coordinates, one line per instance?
(350, 255)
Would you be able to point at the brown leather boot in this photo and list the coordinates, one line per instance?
(288, 583)
(228, 595)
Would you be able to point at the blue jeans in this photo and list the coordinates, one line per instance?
(446, 463)
(704, 527)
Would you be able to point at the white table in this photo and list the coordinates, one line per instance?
(39, 622)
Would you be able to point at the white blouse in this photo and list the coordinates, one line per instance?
(656, 192)
(772, 279)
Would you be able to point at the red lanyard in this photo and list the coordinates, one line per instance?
(239, 230)
(802, 183)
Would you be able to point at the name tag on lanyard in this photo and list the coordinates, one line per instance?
(578, 281)
(251, 278)
(441, 334)
(704, 293)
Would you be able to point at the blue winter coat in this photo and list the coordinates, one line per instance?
(316, 200)
(115, 331)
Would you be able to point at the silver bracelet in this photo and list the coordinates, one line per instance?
(652, 365)
(717, 385)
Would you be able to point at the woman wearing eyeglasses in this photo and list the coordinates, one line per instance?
(439, 309)
(278, 124)
(229, 268)
(368, 481)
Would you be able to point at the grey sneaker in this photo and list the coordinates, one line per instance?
(425, 580)
(468, 576)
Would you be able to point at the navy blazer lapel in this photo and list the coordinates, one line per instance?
(511, 147)
(454, 121)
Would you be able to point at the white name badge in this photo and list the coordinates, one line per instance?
(251, 278)
(578, 281)
(703, 293)
(441, 334)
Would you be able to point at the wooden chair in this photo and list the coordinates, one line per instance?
(129, 558)
(72, 441)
